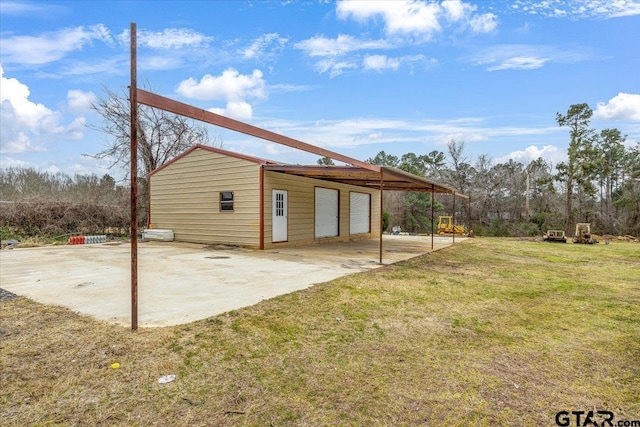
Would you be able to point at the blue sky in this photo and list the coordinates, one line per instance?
(355, 77)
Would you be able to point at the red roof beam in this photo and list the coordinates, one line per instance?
(176, 107)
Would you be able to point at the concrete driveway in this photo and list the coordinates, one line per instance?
(180, 283)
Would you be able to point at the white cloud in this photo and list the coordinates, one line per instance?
(526, 57)
(286, 88)
(579, 9)
(456, 9)
(333, 67)
(83, 165)
(483, 23)
(551, 153)
(18, 144)
(117, 65)
(21, 116)
(229, 86)
(170, 48)
(341, 45)
(10, 162)
(329, 50)
(277, 149)
(51, 46)
(417, 17)
(400, 17)
(75, 130)
(623, 106)
(520, 63)
(238, 110)
(471, 135)
(26, 125)
(159, 62)
(19, 8)
(260, 46)
(380, 62)
(80, 101)
(167, 39)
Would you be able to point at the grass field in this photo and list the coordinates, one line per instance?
(489, 332)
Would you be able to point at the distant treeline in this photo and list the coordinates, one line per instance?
(35, 203)
(514, 199)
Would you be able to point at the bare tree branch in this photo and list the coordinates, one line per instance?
(161, 135)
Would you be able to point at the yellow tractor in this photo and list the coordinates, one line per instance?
(446, 226)
(583, 234)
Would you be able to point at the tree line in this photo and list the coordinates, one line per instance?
(599, 183)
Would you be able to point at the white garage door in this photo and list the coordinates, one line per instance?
(359, 213)
(326, 212)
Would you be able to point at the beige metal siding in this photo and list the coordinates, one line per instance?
(301, 200)
(185, 197)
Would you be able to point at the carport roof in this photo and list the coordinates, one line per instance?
(359, 173)
(392, 178)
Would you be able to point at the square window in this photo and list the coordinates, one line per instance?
(226, 201)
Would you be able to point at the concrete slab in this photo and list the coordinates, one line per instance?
(181, 283)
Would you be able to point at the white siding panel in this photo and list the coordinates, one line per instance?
(359, 213)
(326, 212)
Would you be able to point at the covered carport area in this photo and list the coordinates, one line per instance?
(383, 178)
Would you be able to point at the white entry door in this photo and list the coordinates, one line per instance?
(326, 212)
(279, 215)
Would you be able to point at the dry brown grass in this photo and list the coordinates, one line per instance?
(491, 332)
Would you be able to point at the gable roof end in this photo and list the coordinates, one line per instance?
(252, 159)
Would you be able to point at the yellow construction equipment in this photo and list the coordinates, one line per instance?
(583, 234)
(555, 236)
(446, 226)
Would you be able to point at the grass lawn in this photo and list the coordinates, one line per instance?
(489, 332)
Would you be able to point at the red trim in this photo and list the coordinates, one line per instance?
(149, 204)
(261, 208)
(176, 107)
(217, 151)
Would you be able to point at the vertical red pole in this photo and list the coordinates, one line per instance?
(453, 219)
(432, 202)
(381, 211)
(261, 207)
(133, 98)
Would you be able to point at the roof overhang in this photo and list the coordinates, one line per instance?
(387, 178)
